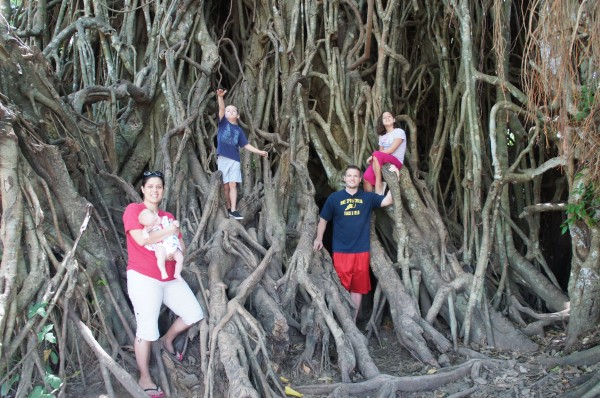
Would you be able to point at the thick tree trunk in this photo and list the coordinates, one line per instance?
(584, 281)
(10, 227)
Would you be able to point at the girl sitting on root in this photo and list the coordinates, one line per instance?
(392, 147)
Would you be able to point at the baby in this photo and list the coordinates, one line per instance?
(168, 247)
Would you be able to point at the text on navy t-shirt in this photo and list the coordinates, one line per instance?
(351, 216)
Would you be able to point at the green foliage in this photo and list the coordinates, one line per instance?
(510, 138)
(46, 334)
(586, 101)
(7, 385)
(587, 209)
(102, 282)
(46, 337)
(53, 380)
(53, 358)
(37, 309)
(39, 392)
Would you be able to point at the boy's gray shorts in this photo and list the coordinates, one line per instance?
(231, 169)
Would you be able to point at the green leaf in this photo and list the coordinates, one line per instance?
(38, 392)
(102, 282)
(42, 335)
(50, 338)
(53, 358)
(37, 309)
(53, 380)
(8, 385)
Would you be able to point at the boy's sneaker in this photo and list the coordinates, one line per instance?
(235, 214)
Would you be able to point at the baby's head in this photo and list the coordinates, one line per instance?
(148, 218)
(232, 114)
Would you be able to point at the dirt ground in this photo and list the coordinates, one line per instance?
(519, 376)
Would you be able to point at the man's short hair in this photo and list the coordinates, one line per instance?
(352, 166)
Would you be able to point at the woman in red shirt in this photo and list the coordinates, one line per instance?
(146, 288)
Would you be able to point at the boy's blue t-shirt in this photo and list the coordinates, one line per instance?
(230, 138)
(351, 216)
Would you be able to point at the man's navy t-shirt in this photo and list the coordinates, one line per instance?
(230, 138)
(351, 216)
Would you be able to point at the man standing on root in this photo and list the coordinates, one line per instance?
(350, 209)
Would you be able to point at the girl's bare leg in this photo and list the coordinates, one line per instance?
(378, 178)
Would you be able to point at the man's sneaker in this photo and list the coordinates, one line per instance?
(235, 214)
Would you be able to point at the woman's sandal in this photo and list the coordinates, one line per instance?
(156, 392)
(176, 355)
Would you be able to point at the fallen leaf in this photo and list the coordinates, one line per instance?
(306, 369)
(283, 379)
(292, 393)
(432, 371)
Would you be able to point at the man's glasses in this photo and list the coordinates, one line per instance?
(153, 174)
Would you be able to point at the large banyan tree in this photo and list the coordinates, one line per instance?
(499, 100)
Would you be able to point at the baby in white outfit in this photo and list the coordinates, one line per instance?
(168, 247)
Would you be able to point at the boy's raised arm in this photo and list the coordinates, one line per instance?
(220, 94)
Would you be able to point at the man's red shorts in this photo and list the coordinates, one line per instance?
(353, 270)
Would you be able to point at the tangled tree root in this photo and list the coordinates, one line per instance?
(388, 386)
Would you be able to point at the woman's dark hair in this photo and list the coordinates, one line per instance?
(381, 128)
(152, 174)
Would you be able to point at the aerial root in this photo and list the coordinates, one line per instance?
(589, 389)
(388, 384)
(106, 361)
